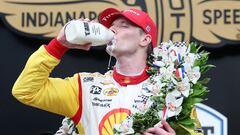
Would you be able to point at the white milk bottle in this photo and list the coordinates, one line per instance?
(79, 32)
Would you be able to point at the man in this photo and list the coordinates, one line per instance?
(95, 102)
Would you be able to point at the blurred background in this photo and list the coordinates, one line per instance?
(213, 23)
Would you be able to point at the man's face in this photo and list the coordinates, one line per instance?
(128, 37)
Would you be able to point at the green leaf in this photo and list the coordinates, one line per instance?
(198, 49)
(205, 68)
(193, 47)
(141, 122)
(199, 91)
(197, 100)
(204, 81)
(188, 122)
(178, 129)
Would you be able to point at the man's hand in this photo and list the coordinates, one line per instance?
(62, 39)
(166, 129)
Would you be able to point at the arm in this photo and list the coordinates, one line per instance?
(34, 87)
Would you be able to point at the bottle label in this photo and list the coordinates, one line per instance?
(86, 28)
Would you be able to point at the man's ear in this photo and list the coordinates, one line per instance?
(146, 40)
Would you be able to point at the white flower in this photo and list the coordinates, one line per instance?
(169, 59)
(157, 51)
(166, 45)
(182, 87)
(173, 104)
(158, 63)
(67, 128)
(167, 72)
(125, 127)
(193, 74)
(156, 88)
(142, 108)
(190, 58)
(157, 85)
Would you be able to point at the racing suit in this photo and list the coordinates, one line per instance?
(94, 101)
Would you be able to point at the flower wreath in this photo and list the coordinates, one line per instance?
(175, 70)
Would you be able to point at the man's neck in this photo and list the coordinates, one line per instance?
(130, 67)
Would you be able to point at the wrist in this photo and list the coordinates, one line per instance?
(55, 48)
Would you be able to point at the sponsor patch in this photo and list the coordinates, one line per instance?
(88, 79)
(106, 82)
(105, 105)
(95, 89)
(111, 91)
(102, 100)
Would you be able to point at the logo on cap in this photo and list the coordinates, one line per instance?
(110, 15)
(148, 28)
(131, 11)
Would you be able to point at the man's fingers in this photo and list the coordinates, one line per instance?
(87, 47)
(151, 130)
(147, 133)
(166, 129)
(95, 20)
(156, 131)
(82, 47)
(86, 20)
(81, 19)
(167, 126)
(160, 131)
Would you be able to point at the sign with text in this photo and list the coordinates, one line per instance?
(213, 122)
(212, 22)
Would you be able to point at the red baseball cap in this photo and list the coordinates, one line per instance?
(138, 17)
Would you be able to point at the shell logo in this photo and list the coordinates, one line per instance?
(115, 116)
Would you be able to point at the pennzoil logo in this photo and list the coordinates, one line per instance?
(212, 22)
(111, 91)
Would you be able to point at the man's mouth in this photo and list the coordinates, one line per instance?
(110, 43)
(113, 42)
